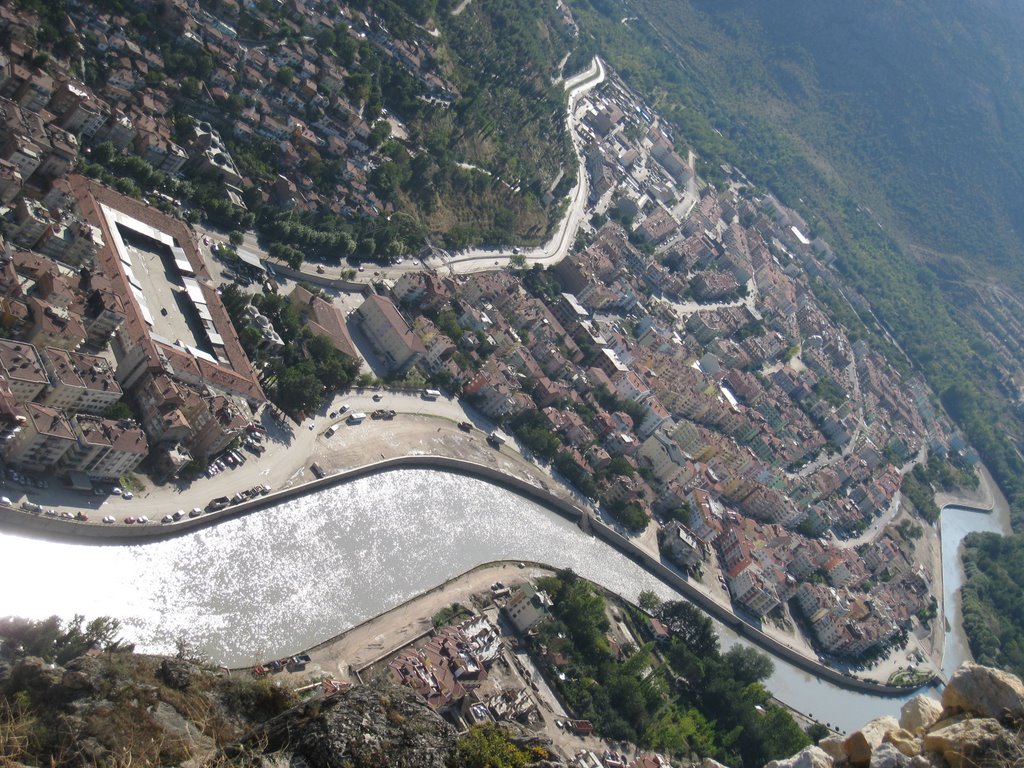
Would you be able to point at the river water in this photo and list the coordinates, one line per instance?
(283, 579)
(956, 523)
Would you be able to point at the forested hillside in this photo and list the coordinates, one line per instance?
(992, 599)
(912, 107)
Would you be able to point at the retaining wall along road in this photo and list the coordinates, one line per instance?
(95, 532)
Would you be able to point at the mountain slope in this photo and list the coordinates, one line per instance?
(911, 106)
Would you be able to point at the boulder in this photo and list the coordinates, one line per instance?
(859, 744)
(886, 755)
(175, 673)
(808, 757)
(972, 742)
(928, 760)
(905, 741)
(919, 713)
(985, 692)
(833, 747)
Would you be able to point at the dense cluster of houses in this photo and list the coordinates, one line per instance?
(47, 113)
(756, 417)
(81, 337)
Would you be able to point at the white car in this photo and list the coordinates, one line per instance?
(109, 519)
(116, 491)
(5, 501)
(128, 495)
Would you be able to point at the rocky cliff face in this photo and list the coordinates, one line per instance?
(978, 724)
(123, 709)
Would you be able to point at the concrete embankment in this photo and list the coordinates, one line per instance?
(97, 533)
(734, 622)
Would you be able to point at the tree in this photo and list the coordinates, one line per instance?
(649, 601)
(690, 625)
(817, 731)
(748, 665)
(119, 410)
(487, 746)
(299, 388)
(380, 133)
(285, 76)
(236, 237)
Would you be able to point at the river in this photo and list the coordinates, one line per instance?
(283, 579)
(956, 523)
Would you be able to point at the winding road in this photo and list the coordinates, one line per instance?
(481, 260)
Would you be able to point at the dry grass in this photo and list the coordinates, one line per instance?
(16, 731)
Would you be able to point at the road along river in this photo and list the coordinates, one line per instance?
(285, 578)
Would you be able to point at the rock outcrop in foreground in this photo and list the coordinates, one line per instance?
(124, 709)
(978, 725)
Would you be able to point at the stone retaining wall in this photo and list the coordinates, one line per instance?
(734, 622)
(95, 532)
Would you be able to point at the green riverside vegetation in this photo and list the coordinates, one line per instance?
(685, 697)
(993, 610)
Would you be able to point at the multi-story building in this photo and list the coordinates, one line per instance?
(324, 319)
(389, 333)
(679, 545)
(754, 592)
(216, 427)
(43, 440)
(105, 449)
(80, 383)
(31, 221)
(54, 326)
(23, 369)
(527, 607)
(10, 181)
(663, 455)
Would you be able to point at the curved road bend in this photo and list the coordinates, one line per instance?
(482, 260)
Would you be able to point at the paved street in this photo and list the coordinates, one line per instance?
(481, 260)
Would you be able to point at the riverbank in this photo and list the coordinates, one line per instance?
(985, 509)
(349, 655)
(420, 429)
(416, 440)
